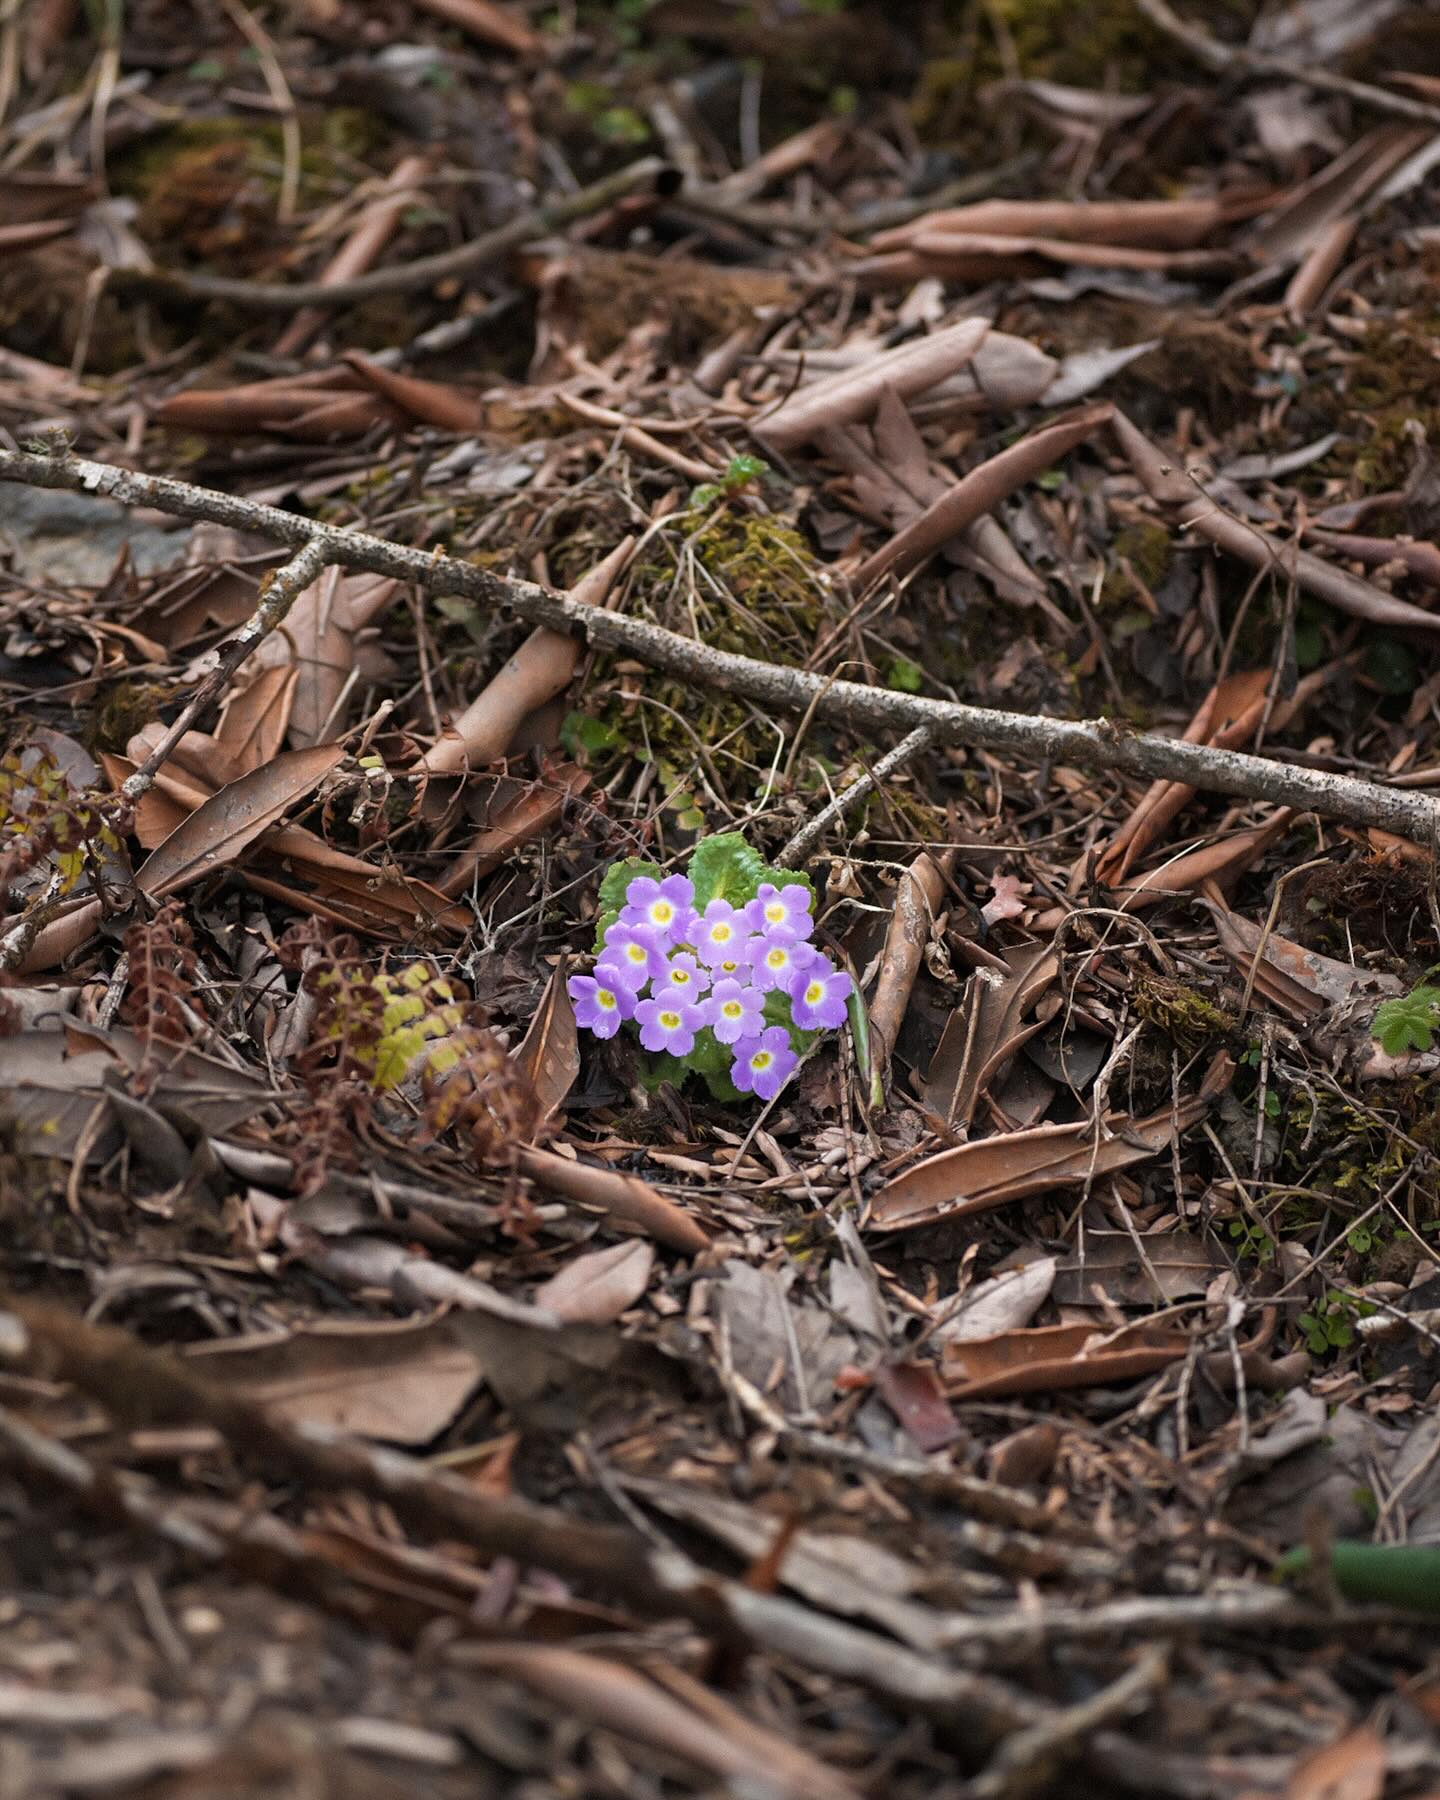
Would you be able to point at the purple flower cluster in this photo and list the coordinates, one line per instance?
(713, 970)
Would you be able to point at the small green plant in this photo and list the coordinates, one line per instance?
(740, 473)
(1408, 1022)
(1328, 1326)
(1252, 1240)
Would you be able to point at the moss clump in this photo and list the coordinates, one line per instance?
(1376, 911)
(740, 579)
(1392, 384)
(1140, 554)
(1185, 1016)
(121, 710)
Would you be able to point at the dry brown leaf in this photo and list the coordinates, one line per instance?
(229, 822)
(549, 1054)
(1043, 1360)
(1162, 224)
(596, 1288)
(318, 644)
(402, 1383)
(996, 1170)
(980, 492)
(428, 402)
(539, 670)
(852, 394)
(371, 232)
(618, 1196)
(917, 901)
(492, 24)
(983, 1032)
(516, 821)
(621, 1699)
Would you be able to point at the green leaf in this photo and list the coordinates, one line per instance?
(655, 1071)
(1409, 1022)
(710, 1056)
(742, 469)
(905, 676)
(724, 867)
(612, 892)
(1405, 1575)
(782, 878)
(580, 733)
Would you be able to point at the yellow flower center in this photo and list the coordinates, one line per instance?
(679, 976)
(762, 1059)
(776, 959)
(775, 913)
(662, 912)
(720, 932)
(605, 998)
(732, 1009)
(814, 994)
(671, 1021)
(635, 953)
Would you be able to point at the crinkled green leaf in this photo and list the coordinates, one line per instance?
(612, 891)
(1409, 1022)
(724, 867)
(709, 1055)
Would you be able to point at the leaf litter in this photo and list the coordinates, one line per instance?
(1038, 1395)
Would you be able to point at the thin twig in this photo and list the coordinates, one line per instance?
(278, 593)
(1086, 743)
(270, 296)
(810, 834)
(1236, 59)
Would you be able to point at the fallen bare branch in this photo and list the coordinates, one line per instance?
(1096, 744)
(271, 296)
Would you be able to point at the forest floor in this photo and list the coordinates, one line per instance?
(968, 467)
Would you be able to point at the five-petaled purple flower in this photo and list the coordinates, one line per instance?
(720, 934)
(669, 1025)
(776, 957)
(664, 906)
(763, 1065)
(600, 1005)
(788, 906)
(818, 994)
(735, 1011)
(633, 954)
(684, 979)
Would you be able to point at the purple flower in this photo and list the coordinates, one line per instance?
(633, 955)
(600, 1005)
(664, 906)
(669, 1025)
(720, 933)
(776, 957)
(736, 1011)
(818, 994)
(763, 1065)
(788, 906)
(684, 980)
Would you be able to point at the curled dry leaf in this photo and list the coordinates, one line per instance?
(917, 901)
(1043, 1360)
(539, 670)
(233, 818)
(996, 1170)
(318, 646)
(1154, 224)
(980, 492)
(624, 1198)
(852, 394)
(549, 1054)
(985, 1031)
